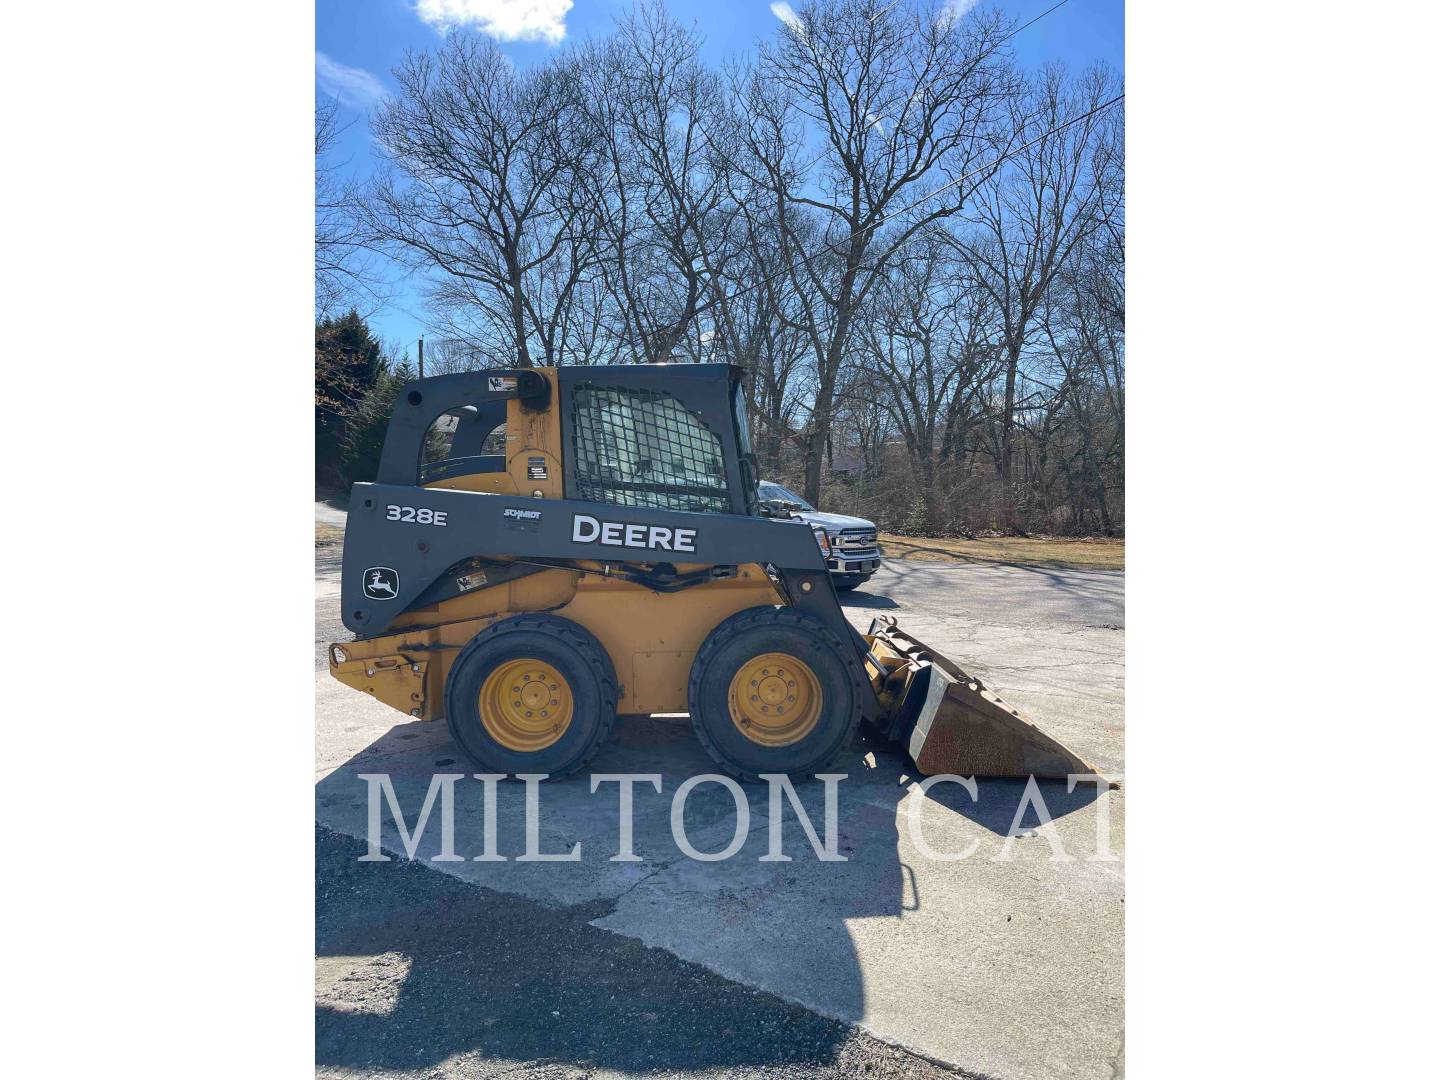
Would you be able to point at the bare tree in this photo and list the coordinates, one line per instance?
(861, 108)
(924, 341)
(756, 320)
(658, 113)
(450, 356)
(1049, 199)
(346, 273)
(489, 191)
(1083, 323)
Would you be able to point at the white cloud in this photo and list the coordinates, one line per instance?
(504, 20)
(350, 85)
(786, 14)
(955, 10)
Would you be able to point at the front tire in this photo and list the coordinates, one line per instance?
(531, 694)
(773, 690)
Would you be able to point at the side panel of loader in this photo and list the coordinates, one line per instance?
(413, 551)
(651, 637)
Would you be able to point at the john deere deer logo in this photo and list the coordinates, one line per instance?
(382, 583)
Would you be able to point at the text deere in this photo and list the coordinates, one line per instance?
(589, 530)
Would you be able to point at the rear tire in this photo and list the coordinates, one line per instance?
(804, 667)
(552, 660)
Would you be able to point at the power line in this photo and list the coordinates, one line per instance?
(886, 11)
(1037, 18)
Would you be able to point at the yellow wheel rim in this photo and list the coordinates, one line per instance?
(775, 699)
(526, 705)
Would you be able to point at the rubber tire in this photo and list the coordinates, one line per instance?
(847, 582)
(574, 652)
(760, 630)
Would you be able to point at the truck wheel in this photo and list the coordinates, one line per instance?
(772, 691)
(531, 693)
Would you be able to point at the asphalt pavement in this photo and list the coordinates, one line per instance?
(420, 974)
(1007, 963)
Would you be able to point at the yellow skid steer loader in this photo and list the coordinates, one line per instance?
(545, 548)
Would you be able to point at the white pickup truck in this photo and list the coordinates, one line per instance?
(852, 553)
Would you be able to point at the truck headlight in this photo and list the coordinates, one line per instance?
(822, 538)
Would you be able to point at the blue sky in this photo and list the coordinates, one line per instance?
(357, 42)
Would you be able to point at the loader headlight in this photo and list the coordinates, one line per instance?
(822, 538)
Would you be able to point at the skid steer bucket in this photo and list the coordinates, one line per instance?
(950, 723)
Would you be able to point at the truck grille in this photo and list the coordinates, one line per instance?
(856, 539)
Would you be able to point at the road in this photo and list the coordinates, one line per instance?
(1004, 964)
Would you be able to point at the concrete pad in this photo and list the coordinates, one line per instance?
(1008, 968)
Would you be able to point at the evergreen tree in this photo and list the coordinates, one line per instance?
(347, 365)
(365, 432)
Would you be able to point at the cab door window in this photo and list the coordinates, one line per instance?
(645, 448)
(465, 440)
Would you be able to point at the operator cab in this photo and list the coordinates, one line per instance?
(658, 436)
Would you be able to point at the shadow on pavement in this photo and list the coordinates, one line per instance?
(1087, 583)
(416, 968)
(861, 599)
(1000, 799)
(423, 968)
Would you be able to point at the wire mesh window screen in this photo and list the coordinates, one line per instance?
(643, 448)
